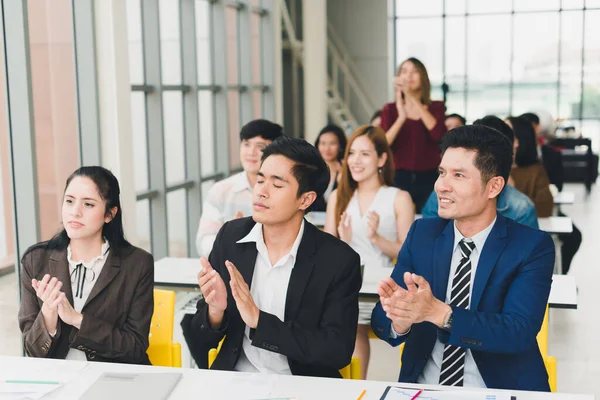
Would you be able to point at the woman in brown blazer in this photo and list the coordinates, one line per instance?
(528, 174)
(530, 177)
(87, 293)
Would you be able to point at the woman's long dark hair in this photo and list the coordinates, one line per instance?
(341, 137)
(108, 189)
(527, 151)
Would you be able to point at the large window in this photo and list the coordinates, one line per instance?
(198, 70)
(508, 57)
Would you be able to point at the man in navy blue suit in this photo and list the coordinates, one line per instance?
(469, 291)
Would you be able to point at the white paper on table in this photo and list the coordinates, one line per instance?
(23, 370)
(397, 393)
(23, 391)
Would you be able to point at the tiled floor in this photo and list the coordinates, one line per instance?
(573, 333)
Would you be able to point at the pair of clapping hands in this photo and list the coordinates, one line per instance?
(55, 303)
(214, 291)
(415, 304)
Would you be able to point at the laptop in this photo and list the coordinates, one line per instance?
(147, 386)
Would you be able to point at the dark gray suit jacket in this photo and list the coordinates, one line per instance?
(116, 316)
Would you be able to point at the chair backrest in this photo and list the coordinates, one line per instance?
(550, 363)
(160, 339)
(352, 370)
(542, 336)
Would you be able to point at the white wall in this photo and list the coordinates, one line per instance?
(362, 25)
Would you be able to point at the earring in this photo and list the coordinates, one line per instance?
(380, 171)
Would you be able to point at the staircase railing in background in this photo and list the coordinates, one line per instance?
(344, 84)
(350, 78)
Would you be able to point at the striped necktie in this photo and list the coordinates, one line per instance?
(453, 363)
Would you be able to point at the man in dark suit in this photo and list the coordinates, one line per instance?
(284, 293)
(469, 292)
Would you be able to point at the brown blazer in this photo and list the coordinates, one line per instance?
(116, 316)
(533, 181)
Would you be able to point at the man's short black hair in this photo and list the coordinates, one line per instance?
(494, 151)
(261, 127)
(310, 170)
(492, 121)
(460, 118)
(531, 117)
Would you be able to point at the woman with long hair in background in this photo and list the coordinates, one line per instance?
(331, 143)
(370, 214)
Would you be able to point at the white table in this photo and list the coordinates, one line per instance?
(177, 273)
(180, 274)
(318, 218)
(563, 293)
(555, 225)
(564, 198)
(217, 385)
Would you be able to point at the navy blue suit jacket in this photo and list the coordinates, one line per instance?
(508, 302)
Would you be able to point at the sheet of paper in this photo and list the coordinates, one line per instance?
(22, 391)
(26, 380)
(397, 393)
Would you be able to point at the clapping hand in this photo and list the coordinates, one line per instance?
(243, 298)
(212, 287)
(372, 225)
(345, 228)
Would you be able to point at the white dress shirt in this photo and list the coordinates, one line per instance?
(224, 199)
(431, 372)
(82, 283)
(269, 291)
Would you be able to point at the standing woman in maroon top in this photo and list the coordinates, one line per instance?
(414, 125)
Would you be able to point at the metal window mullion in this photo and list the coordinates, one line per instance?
(444, 84)
(582, 76)
(267, 64)
(219, 71)
(512, 60)
(559, 62)
(142, 88)
(191, 124)
(21, 130)
(244, 63)
(154, 128)
(466, 76)
(87, 82)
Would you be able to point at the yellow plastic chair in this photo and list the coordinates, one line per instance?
(549, 361)
(162, 351)
(401, 350)
(542, 336)
(212, 353)
(351, 371)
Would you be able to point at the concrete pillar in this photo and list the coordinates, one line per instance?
(114, 93)
(314, 28)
